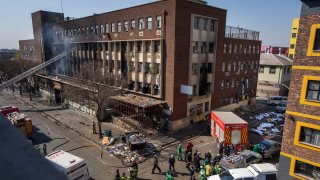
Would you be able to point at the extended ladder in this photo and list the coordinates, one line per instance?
(34, 69)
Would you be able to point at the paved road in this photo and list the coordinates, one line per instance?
(58, 137)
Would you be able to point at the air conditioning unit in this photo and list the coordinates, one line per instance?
(131, 33)
(158, 32)
(227, 73)
(141, 33)
(115, 35)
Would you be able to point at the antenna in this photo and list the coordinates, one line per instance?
(61, 6)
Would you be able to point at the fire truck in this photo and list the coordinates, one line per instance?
(18, 120)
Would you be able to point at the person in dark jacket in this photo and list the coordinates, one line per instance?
(191, 171)
(189, 157)
(172, 160)
(44, 149)
(155, 165)
(117, 175)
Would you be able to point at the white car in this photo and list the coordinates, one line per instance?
(253, 172)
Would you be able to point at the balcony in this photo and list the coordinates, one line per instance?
(240, 33)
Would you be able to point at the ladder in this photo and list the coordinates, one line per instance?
(35, 69)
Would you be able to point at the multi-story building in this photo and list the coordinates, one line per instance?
(7, 54)
(274, 49)
(27, 50)
(300, 153)
(274, 75)
(293, 37)
(176, 51)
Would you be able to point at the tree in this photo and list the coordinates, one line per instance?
(12, 68)
(94, 87)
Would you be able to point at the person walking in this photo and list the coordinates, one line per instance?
(197, 163)
(155, 165)
(189, 157)
(189, 147)
(202, 175)
(208, 156)
(44, 149)
(117, 177)
(172, 160)
(191, 171)
(209, 170)
(221, 148)
(179, 151)
(123, 177)
(169, 176)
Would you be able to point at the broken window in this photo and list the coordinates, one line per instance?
(141, 24)
(211, 47)
(148, 46)
(205, 24)
(212, 22)
(125, 25)
(101, 29)
(149, 22)
(159, 22)
(112, 27)
(157, 46)
(195, 47)
(196, 23)
(107, 28)
(133, 24)
(119, 26)
(139, 66)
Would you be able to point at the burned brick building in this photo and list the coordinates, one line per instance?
(177, 51)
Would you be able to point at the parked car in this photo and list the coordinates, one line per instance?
(281, 108)
(264, 171)
(275, 100)
(270, 148)
(241, 160)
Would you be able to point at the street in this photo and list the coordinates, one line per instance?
(57, 137)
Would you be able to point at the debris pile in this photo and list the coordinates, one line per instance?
(134, 150)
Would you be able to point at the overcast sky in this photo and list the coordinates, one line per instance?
(272, 18)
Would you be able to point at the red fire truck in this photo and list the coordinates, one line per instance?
(18, 120)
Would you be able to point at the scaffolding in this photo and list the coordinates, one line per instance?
(144, 111)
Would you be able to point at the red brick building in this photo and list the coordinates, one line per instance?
(177, 51)
(300, 153)
(27, 50)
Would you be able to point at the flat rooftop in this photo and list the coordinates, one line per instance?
(241, 33)
(229, 117)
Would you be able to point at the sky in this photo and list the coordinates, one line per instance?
(273, 18)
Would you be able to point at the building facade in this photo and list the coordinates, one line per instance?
(7, 54)
(300, 153)
(274, 49)
(293, 37)
(177, 51)
(27, 50)
(274, 75)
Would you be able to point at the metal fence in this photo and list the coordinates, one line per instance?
(240, 33)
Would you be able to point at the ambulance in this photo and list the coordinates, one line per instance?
(75, 168)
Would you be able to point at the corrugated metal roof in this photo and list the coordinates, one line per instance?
(275, 60)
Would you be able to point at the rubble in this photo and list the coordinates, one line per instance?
(127, 154)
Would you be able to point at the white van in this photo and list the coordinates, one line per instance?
(74, 168)
(264, 171)
(275, 100)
